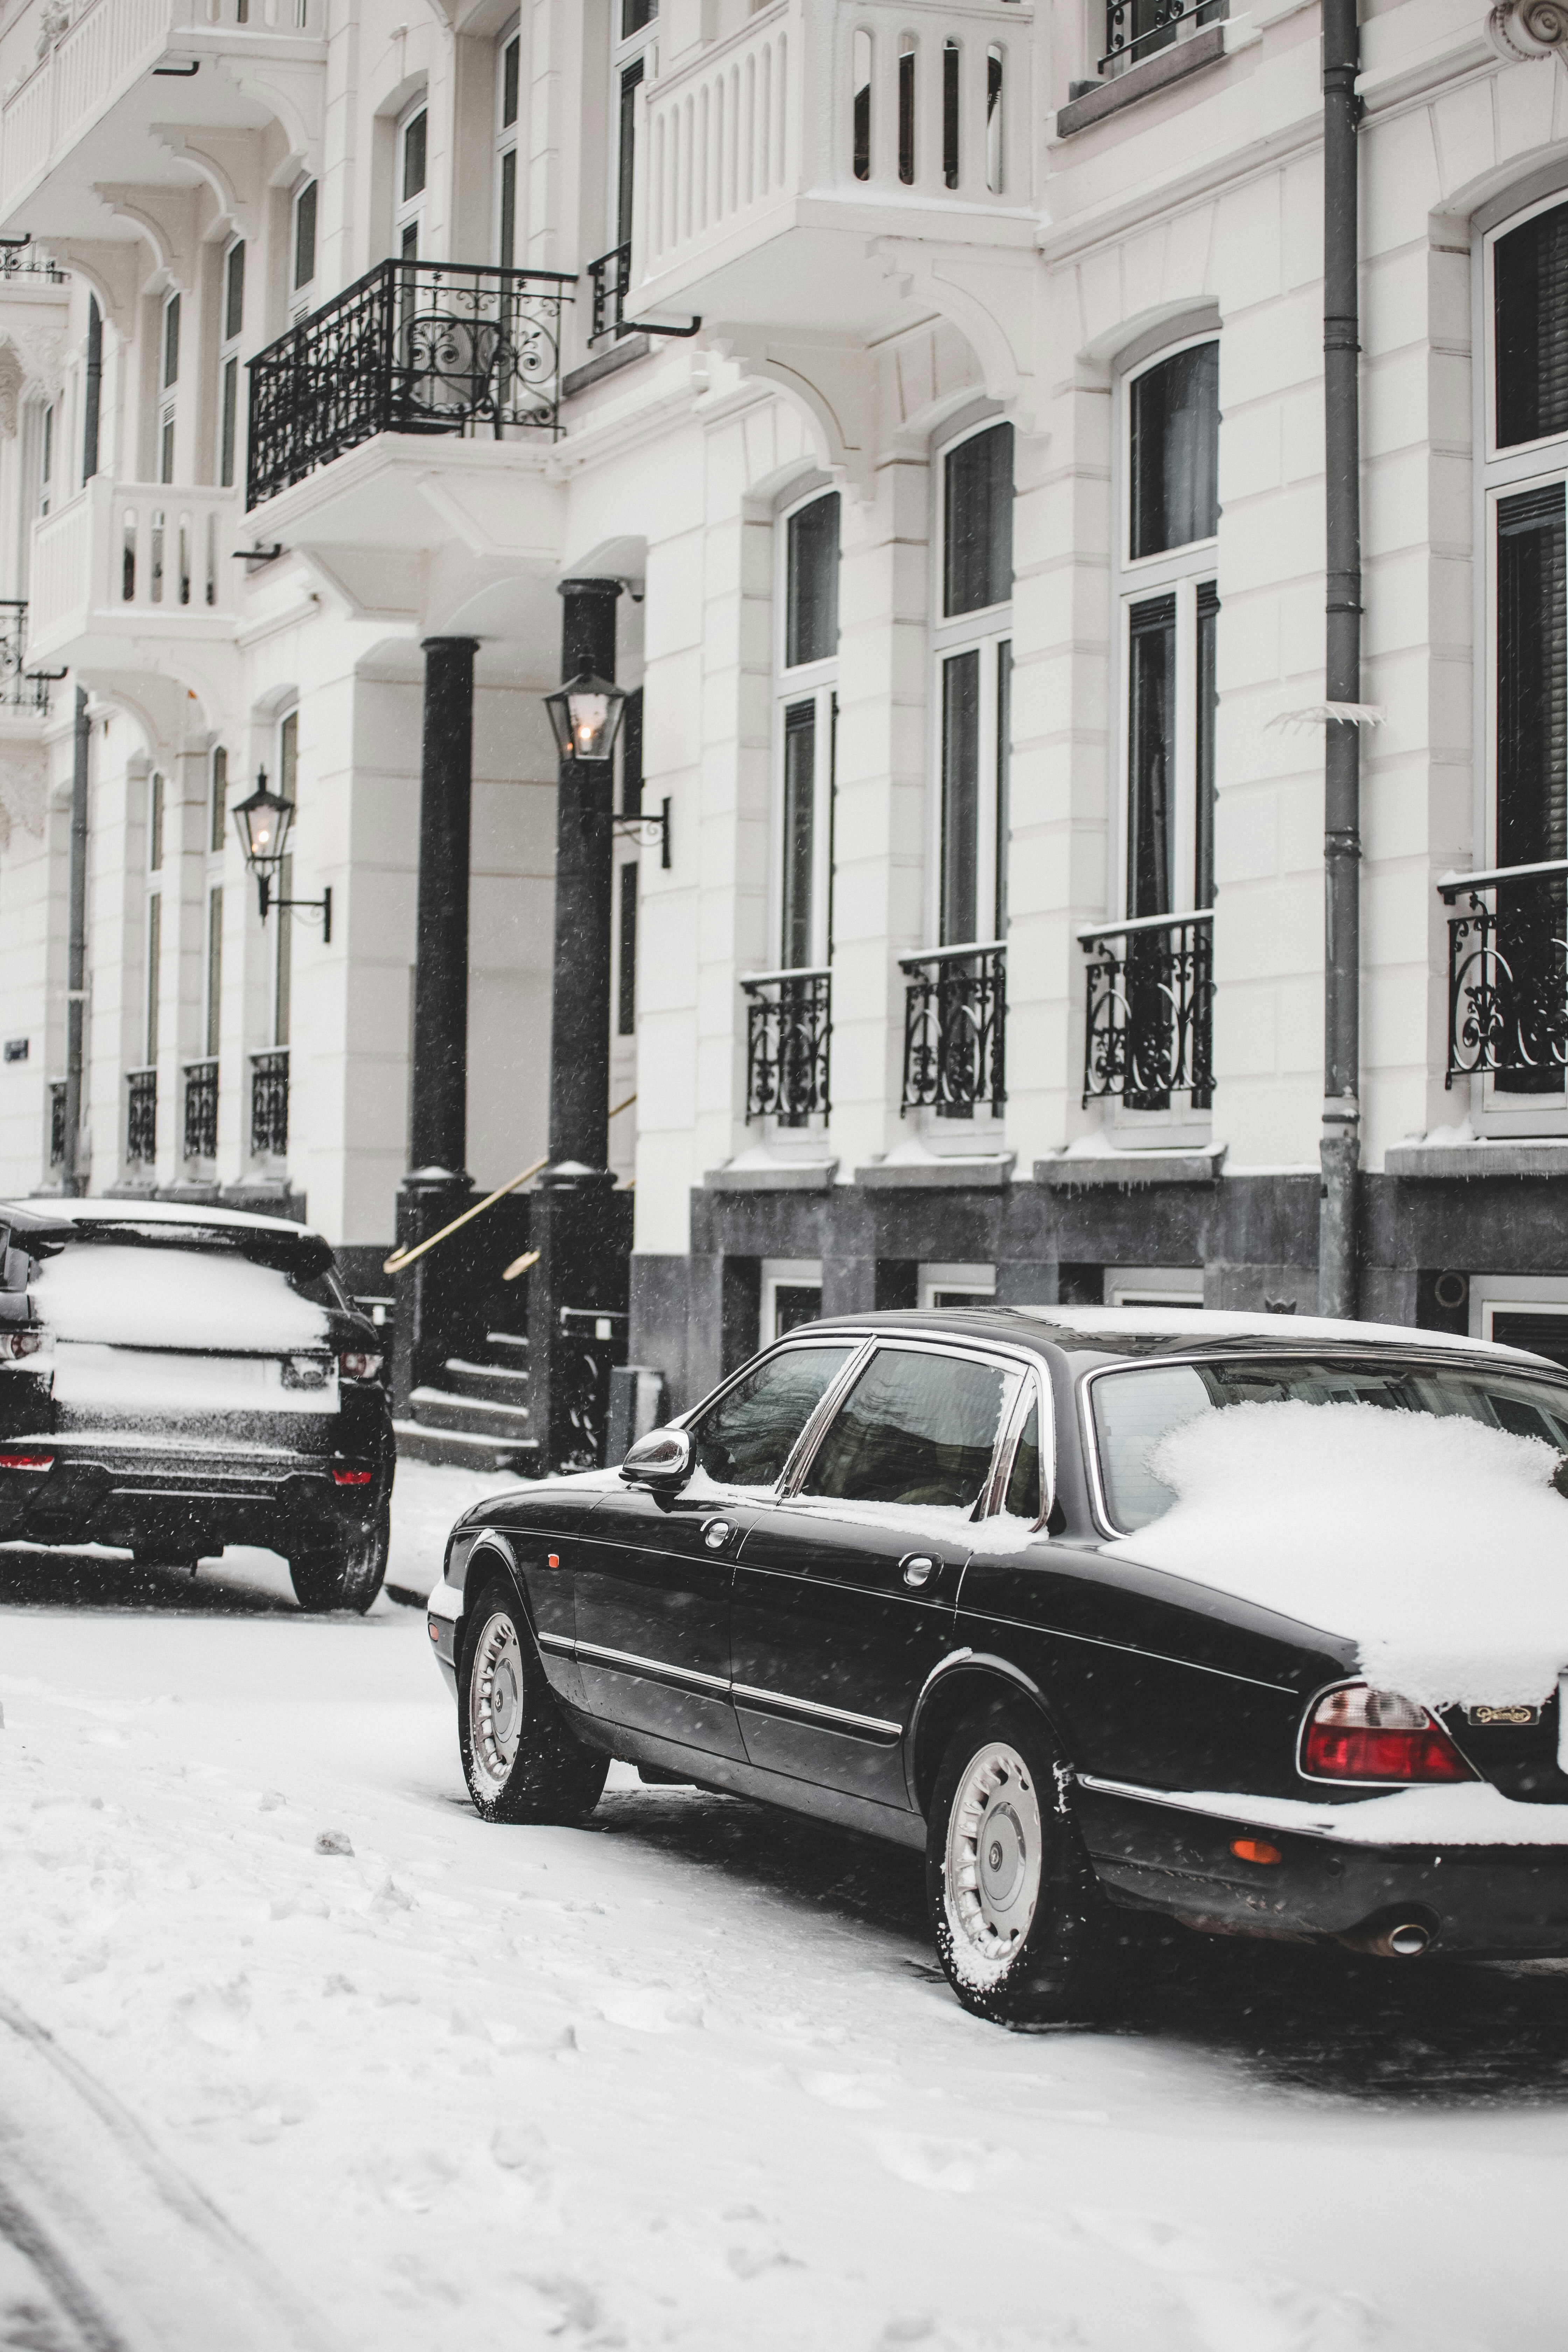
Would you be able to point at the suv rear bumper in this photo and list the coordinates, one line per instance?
(162, 1498)
(1476, 1901)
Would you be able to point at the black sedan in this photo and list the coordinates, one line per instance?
(882, 1576)
(174, 1378)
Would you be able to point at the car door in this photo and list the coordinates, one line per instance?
(846, 1587)
(652, 1573)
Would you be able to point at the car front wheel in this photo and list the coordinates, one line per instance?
(347, 1574)
(521, 1761)
(1015, 1907)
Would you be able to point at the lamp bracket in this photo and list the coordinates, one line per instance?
(646, 829)
(322, 905)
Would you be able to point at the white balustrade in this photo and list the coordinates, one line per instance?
(870, 101)
(122, 554)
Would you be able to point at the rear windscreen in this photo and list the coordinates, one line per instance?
(139, 1295)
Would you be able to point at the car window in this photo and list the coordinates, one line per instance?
(747, 1437)
(1133, 1409)
(1023, 1499)
(915, 1428)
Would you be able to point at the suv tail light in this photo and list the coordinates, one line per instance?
(357, 1364)
(26, 1461)
(17, 1344)
(1356, 1733)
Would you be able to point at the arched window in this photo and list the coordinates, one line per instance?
(413, 138)
(509, 98)
(232, 324)
(807, 705)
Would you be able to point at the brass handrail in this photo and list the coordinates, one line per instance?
(401, 1259)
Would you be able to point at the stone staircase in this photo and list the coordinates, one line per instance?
(475, 1417)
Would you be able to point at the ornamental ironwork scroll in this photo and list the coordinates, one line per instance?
(1135, 29)
(788, 1029)
(955, 1032)
(268, 1105)
(1149, 1023)
(1508, 980)
(200, 1110)
(141, 1117)
(412, 347)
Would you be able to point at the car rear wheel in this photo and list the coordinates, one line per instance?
(345, 1575)
(521, 1761)
(1015, 1907)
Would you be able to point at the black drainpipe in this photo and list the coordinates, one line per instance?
(73, 1176)
(1338, 1252)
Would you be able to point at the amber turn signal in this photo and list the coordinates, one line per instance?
(552, 1560)
(1255, 1850)
(433, 1627)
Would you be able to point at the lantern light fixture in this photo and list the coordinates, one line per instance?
(264, 820)
(585, 717)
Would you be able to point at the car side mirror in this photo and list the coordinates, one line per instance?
(662, 1460)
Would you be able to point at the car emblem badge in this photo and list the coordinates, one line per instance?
(1514, 1717)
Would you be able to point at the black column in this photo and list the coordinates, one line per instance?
(432, 1300)
(581, 1224)
(580, 1004)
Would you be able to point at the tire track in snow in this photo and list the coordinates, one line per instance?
(146, 2244)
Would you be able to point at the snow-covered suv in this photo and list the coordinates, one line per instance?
(173, 1379)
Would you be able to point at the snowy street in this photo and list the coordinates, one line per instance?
(294, 2050)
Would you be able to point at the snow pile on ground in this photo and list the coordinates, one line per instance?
(127, 1296)
(1435, 1542)
(428, 1500)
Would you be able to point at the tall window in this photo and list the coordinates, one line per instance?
(302, 251)
(508, 102)
(169, 379)
(973, 641)
(46, 458)
(217, 823)
(807, 712)
(636, 23)
(1169, 618)
(1527, 527)
(228, 360)
(412, 139)
(283, 970)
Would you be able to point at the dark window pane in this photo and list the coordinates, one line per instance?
(170, 339)
(907, 117)
(631, 754)
(1208, 707)
(508, 253)
(220, 800)
(1530, 270)
(1023, 1498)
(799, 832)
(795, 1303)
(977, 535)
(811, 565)
(959, 797)
(234, 293)
(1543, 1335)
(636, 14)
(627, 134)
(1004, 779)
(626, 1008)
(215, 967)
(1151, 751)
(914, 1429)
(413, 156)
(305, 236)
(509, 65)
(230, 420)
(1175, 451)
(749, 1435)
(1531, 677)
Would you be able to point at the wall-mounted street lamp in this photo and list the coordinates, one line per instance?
(263, 820)
(585, 716)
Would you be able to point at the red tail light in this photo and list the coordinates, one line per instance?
(358, 1364)
(350, 1477)
(26, 1461)
(1359, 1733)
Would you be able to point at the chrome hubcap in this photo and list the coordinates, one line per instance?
(495, 1700)
(995, 1838)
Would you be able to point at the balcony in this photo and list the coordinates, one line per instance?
(1149, 1025)
(788, 1029)
(84, 115)
(140, 1117)
(955, 1031)
(200, 1110)
(766, 165)
(1137, 29)
(1508, 976)
(127, 571)
(23, 690)
(269, 1105)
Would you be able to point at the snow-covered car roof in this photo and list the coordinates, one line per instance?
(1159, 1331)
(53, 1211)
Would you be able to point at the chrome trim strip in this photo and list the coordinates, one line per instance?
(562, 1641)
(842, 1714)
(593, 1654)
(1238, 1812)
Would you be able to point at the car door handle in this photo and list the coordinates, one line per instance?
(919, 1569)
(717, 1534)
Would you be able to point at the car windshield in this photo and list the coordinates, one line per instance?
(1134, 1408)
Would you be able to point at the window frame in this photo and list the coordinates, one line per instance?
(987, 630)
(817, 683)
(408, 208)
(637, 51)
(507, 141)
(1124, 563)
(1015, 1366)
(301, 293)
(230, 421)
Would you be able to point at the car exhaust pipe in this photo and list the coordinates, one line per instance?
(1391, 1939)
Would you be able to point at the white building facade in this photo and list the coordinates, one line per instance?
(947, 396)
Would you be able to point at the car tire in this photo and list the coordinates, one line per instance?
(1016, 1909)
(345, 1575)
(520, 1759)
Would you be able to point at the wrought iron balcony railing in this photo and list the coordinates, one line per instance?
(955, 1030)
(200, 1110)
(1149, 1027)
(56, 1122)
(269, 1105)
(1508, 976)
(788, 1028)
(1136, 29)
(412, 347)
(20, 689)
(141, 1117)
(20, 258)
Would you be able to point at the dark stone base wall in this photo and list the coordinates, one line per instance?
(1255, 1237)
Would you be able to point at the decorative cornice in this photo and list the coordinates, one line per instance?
(1523, 31)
